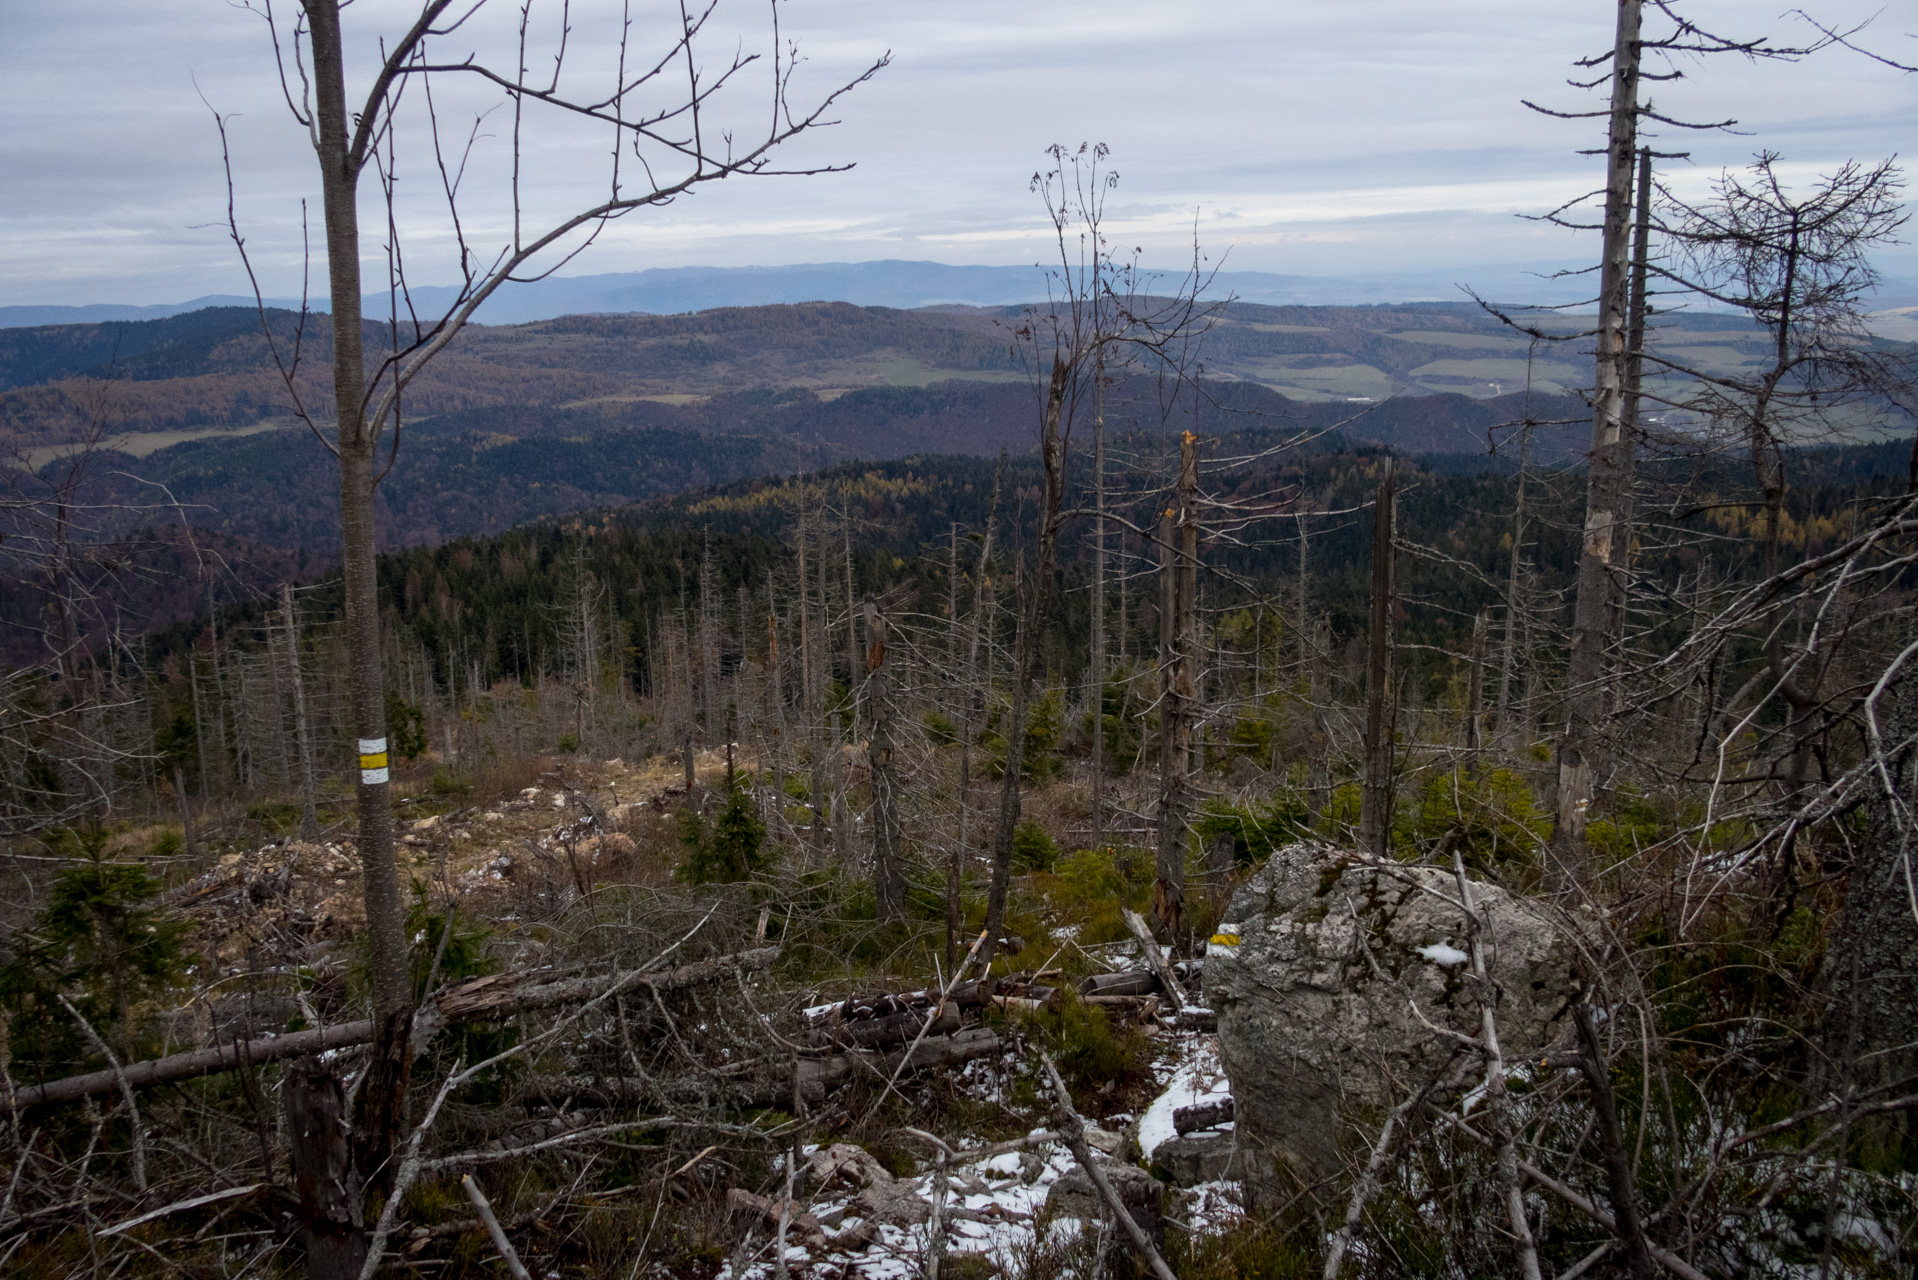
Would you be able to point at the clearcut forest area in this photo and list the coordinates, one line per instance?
(1138, 783)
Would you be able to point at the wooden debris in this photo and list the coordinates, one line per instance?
(1155, 959)
(1133, 982)
(1202, 1115)
(497, 996)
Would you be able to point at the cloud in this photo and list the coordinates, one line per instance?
(1302, 137)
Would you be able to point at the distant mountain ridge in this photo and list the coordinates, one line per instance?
(888, 283)
(908, 284)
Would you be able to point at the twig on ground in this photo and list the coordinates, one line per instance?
(493, 1228)
(1074, 1133)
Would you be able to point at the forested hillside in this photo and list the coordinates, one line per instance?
(1139, 785)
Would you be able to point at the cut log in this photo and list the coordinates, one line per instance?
(1133, 982)
(886, 1004)
(1202, 1115)
(497, 996)
(1128, 1006)
(898, 1028)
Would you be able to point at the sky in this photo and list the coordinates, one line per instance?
(1292, 136)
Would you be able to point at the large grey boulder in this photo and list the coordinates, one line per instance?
(1319, 1040)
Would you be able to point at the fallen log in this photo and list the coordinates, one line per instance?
(1126, 1006)
(967, 995)
(820, 1076)
(1202, 1115)
(1155, 959)
(1133, 982)
(898, 1028)
(771, 1212)
(495, 996)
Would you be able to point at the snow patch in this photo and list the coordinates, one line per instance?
(1200, 1078)
(1440, 953)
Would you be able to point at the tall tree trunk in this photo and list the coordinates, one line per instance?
(188, 844)
(823, 771)
(381, 1102)
(1630, 403)
(1096, 678)
(1375, 800)
(888, 876)
(974, 693)
(1508, 662)
(1475, 693)
(302, 737)
(1034, 597)
(1178, 641)
(1585, 666)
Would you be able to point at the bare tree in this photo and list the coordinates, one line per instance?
(659, 111)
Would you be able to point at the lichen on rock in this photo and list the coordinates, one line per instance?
(1313, 976)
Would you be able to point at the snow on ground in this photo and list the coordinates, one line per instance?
(1200, 1077)
(1002, 1198)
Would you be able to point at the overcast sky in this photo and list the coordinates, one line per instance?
(1304, 137)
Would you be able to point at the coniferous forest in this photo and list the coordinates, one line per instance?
(624, 796)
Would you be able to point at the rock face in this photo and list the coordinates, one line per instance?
(1315, 1036)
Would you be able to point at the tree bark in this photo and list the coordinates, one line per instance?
(331, 1229)
(888, 876)
(1626, 459)
(381, 1097)
(1871, 964)
(302, 737)
(1096, 678)
(1178, 640)
(1584, 674)
(1034, 599)
(1375, 801)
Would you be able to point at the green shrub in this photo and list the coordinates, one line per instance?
(101, 942)
(445, 784)
(1090, 1052)
(1256, 829)
(940, 728)
(405, 728)
(1032, 848)
(730, 850)
(279, 817)
(1492, 818)
(1045, 719)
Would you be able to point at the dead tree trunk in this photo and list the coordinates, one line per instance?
(1507, 735)
(1375, 802)
(888, 877)
(188, 844)
(330, 1230)
(1178, 635)
(1584, 671)
(1626, 458)
(1096, 678)
(1868, 969)
(1034, 599)
(302, 737)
